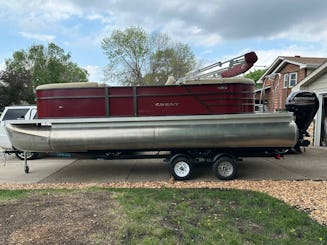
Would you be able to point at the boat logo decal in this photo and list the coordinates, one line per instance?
(167, 104)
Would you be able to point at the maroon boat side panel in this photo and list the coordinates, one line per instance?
(121, 101)
(78, 102)
(195, 99)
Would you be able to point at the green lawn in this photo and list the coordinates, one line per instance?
(210, 216)
(6, 195)
(201, 216)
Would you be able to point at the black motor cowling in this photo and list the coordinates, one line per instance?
(304, 105)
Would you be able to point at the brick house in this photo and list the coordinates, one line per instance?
(279, 79)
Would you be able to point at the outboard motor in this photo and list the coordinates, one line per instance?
(304, 105)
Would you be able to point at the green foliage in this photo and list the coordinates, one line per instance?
(47, 65)
(137, 58)
(16, 88)
(38, 65)
(255, 76)
(175, 59)
(127, 50)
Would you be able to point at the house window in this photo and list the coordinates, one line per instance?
(286, 80)
(290, 80)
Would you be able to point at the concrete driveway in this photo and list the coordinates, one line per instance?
(311, 164)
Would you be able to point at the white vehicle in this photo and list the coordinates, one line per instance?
(15, 113)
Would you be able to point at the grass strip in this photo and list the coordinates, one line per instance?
(195, 216)
(212, 216)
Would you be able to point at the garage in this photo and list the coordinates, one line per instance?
(317, 82)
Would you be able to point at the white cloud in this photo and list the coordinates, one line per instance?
(306, 31)
(105, 19)
(2, 66)
(60, 10)
(267, 57)
(206, 24)
(37, 36)
(228, 20)
(43, 10)
(95, 73)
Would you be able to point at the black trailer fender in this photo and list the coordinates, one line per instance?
(219, 155)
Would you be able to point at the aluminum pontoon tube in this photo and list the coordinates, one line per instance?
(155, 133)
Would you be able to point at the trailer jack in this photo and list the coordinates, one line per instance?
(26, 167)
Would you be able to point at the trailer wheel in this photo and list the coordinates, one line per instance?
(181, 168)
(225, 168)
(30, 155)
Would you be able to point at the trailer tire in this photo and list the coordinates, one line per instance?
(225, 168)
(181, 168)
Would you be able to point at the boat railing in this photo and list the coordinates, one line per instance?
(229, 68)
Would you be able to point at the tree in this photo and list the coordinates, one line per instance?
(255, 75)
(127, 51)
(169, 58)
(15, 88)
(38, 65)
(46, 65)
(137, 58)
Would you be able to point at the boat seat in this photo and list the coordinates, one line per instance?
(219, 81)
(170, 80)
(70, 85)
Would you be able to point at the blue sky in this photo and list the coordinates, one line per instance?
(214, 29)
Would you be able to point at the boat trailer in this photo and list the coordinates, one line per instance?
(182, 163)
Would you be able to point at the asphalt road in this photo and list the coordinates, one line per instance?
(311, 164)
